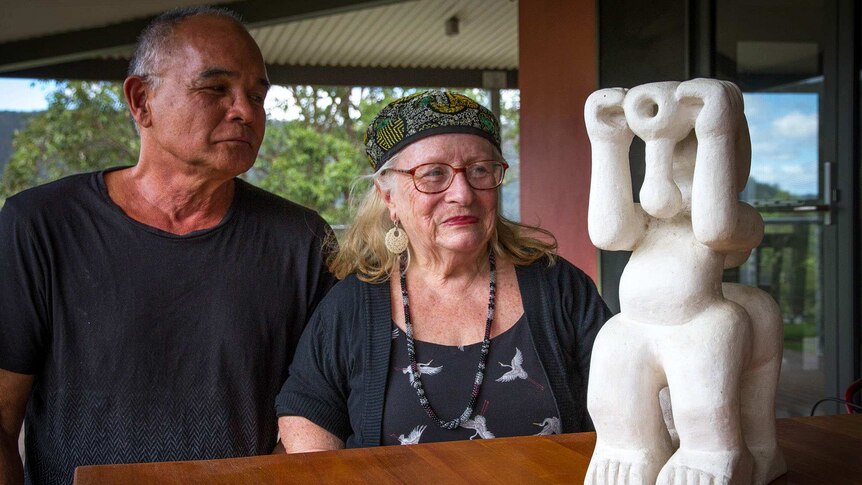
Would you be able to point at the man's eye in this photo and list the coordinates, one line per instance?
(217, 88)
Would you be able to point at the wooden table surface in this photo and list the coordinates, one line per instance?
(818, 450)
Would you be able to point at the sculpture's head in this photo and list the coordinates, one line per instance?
(654, 115)
(673, 118)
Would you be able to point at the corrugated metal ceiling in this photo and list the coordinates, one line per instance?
(34, 18)
(404, 35)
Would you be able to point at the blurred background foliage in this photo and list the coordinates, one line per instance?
(313, 156)
(86, 127)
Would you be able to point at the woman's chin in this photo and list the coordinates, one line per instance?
(463, 244)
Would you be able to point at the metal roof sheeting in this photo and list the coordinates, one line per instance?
(35, 18)
(403, 35)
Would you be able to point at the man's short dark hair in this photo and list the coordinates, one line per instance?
(158, 36)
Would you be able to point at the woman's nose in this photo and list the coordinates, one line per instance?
(460, 188)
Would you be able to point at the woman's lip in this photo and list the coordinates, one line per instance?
(460, 220)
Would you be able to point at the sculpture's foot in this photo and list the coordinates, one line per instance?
(614, 466)
(768, 464)
(688, 467)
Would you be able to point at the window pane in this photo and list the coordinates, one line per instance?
(787, 266)
(784, 161)
(774, 52)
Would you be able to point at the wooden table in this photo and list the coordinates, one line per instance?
(819, 450)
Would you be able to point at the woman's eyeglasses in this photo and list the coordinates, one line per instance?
(433, 178)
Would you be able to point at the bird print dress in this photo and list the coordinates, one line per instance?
(515, 399)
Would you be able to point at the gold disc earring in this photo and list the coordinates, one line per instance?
(396, 239)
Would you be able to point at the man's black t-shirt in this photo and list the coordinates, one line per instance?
(148, 346)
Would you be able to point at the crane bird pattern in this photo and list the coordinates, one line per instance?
(517, 371)
(533, 412)
(424, 369)
(413, 437)
(480, 427)
(549, 426)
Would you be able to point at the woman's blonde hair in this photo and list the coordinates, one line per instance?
(362, 249)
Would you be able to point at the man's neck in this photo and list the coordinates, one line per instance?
(178, 203)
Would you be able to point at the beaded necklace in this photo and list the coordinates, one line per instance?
(486, 345)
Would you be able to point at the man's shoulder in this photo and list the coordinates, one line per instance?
(267, 203)
(52, 197)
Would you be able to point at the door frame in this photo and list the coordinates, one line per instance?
(839, 140)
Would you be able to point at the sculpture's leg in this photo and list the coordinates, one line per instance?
(758, 421)
(704, 359)
(760, 381)
(667, 415)
(625, 378)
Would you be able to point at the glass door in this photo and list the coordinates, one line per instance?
(774, 51)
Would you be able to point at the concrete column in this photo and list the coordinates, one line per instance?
(557, 71)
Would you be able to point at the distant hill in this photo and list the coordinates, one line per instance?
(10, 121)
(770, 193)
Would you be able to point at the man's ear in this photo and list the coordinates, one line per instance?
(137, 94)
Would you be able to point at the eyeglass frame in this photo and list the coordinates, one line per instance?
(455, 171)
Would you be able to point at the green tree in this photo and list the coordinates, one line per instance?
(314, 168)
(86, 127)
(319, 158)
(314, 160)
(326, 108)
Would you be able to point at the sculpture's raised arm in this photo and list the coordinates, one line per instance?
(615, 222)
(719, 220)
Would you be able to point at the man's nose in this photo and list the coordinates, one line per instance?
(242, 109)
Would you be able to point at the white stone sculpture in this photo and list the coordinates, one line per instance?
(717, 347)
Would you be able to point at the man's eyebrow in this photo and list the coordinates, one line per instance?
(217, 72)
(221, 72)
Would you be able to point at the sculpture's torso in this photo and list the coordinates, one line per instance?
(671, 277)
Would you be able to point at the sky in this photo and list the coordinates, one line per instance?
(784, 129)
(30, 95)
(23, 95)
(784, 136)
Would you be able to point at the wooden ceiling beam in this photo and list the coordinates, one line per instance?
(115, 70)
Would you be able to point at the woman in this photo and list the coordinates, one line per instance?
(448, 323)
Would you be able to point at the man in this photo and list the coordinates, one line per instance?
(149, 313)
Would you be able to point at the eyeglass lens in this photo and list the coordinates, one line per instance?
(436, 177)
